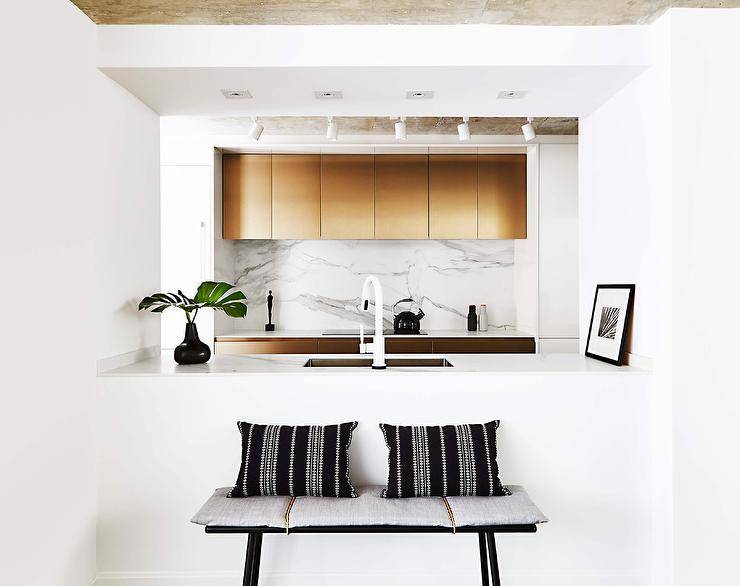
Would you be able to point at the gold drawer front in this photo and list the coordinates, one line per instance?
(286, 346)
(484, 345)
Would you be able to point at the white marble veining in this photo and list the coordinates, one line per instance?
(317, 283)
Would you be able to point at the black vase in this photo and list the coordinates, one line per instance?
(192, 350)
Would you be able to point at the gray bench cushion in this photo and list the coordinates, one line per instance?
(515, 509)
(253, 511)
(369, 508)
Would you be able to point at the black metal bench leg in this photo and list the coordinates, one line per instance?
(256, 554)
(249, 560)
(495, 578)
(483, 558)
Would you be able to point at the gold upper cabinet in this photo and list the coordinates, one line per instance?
(296, 196)
(453, 196)
(401, 196)
(502, 196)
(247, 194)
(347, 196)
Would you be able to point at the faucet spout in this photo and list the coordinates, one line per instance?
(378, 345)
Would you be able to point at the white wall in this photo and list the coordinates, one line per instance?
(705, 93)
(595, 492)
(79, 186)
(624, 219)
(558, 248)
(622, 166)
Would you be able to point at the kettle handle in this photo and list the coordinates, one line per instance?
(393, 309)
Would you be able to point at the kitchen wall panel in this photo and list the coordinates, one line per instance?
(317, 283)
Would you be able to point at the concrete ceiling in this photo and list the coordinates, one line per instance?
(332, 12)
(357, 125)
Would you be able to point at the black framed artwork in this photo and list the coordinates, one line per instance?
(610, 317)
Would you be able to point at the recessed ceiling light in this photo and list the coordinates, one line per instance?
(419, 94)
(328, 95)
(236, 94)
(511, 94)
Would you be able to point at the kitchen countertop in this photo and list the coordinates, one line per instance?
(280, 334)
(282, 364)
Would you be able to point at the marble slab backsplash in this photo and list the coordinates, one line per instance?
(317, 284)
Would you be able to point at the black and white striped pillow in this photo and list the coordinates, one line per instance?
(302, 460)
(442, 460)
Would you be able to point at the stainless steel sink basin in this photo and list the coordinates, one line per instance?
(367, 362)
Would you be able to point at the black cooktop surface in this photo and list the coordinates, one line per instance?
(356, 332)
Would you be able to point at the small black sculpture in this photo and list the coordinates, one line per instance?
(269, 326)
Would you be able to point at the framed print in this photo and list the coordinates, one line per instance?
(610, 316)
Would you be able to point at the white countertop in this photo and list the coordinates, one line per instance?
(165, 365)
(492, 333)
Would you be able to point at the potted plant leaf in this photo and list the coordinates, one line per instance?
(218, 296)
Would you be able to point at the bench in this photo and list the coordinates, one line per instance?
(369, 513)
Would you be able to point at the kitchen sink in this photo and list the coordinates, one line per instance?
(367, 362)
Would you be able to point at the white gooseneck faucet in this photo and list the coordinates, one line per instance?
(378, 345)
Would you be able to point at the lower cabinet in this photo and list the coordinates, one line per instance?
(420, 345)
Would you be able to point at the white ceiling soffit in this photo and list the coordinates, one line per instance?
(470, 91)
(566, 71)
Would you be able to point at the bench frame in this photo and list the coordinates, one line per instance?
(486, 542)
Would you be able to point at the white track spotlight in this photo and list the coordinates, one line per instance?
(400, 127)
(463, 130)
(256, 131)
(332, 130)
(528, 130)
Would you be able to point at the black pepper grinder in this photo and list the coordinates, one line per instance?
(269, 326)
(472, 319)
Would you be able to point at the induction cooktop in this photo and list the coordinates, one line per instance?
(370, 332)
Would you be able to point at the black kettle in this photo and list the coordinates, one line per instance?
(406, 322)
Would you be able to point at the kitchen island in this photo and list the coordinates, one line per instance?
(575, 431)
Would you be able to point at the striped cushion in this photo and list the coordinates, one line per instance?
(303, 460)
(446, 460)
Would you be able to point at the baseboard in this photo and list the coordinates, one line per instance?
(119, 360)
(369, 579)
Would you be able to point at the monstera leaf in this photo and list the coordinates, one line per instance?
(219, 296)
(212, 294)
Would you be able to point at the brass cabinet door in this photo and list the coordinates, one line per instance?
(453, 196)
(347, 196)
(502, 196)
(296, 196)
(247, 189)
(401, 196)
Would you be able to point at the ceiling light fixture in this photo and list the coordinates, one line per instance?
(419, 94)
(328, 95)
(256, 131)
(528, 130)
(511, 94)
(463, 130)
(332, 130)
(236, 94)
(400, 127)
